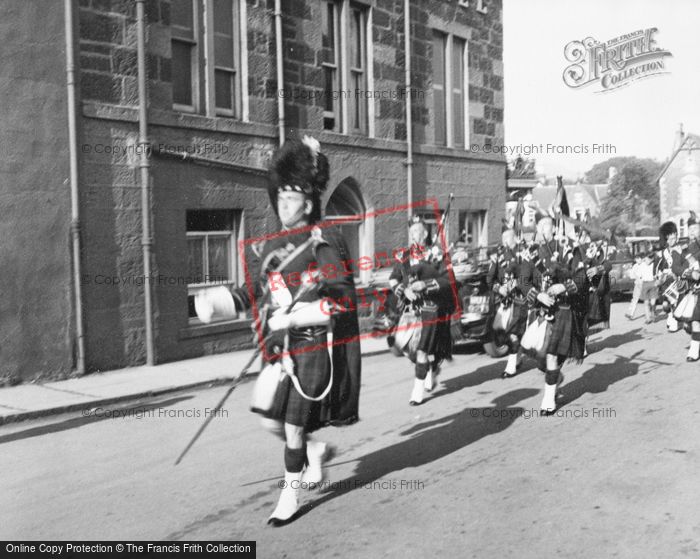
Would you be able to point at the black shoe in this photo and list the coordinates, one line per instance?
(691, 359)
(508, 375)
(547, 413)
(414, 403)
(278, 522)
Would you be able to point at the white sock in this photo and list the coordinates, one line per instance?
(694, 350)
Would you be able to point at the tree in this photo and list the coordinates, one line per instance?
(633, 195)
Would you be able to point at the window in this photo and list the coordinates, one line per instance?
(208, 70)
(211, 258)
(439, 108)
(481, 6)
(358, 69)
(184, 54)
(473, 229)
(330, 56)
(345, 42)
(458, 47)
(431, 226)
(449, 85)
(226, 76)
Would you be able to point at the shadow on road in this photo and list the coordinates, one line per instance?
(430, 441)
(616, 340)
(92, 416)
(479, 376)
(599, 378)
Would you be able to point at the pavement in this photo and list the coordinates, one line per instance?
(33, 400)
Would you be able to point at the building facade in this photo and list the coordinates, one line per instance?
(213, 121)
(679, 183)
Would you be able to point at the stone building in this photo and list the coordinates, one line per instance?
(679, 182)
(213, 122)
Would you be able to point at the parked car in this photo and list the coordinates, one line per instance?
(621, 281)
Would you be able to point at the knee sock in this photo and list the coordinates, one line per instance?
(421, 370)
(551, 376)
(294, 459)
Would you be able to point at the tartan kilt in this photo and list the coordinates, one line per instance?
(518, 321)
(560, 339)
(313, 369)
(436, 337)
(598, 308)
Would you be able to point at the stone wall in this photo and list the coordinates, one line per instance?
(36, 317)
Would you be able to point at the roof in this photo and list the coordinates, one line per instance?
(521, 183)
(690, 140)
(584, 192)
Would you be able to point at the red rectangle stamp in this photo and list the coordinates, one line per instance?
(421, 263)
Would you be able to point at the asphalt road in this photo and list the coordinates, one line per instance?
(473, 472)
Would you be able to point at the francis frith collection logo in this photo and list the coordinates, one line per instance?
(614, 63)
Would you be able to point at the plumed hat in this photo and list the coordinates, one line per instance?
(693, 219)
(299, 166)
(668, 228)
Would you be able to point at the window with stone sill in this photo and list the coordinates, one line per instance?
(473, 227)
(345, 46)
(450, 102)
(212, 261)
(209, 30)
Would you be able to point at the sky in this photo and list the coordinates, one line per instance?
(639, 119)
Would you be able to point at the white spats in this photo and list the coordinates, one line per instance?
(429, 382)
(548, 404)
(288, 504)
(315, 453)
(417, 392)
(694, 350)
(511, 364)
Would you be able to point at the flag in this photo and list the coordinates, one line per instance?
(518, 217)
(560, 205)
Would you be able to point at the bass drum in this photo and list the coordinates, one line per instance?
(407, 334)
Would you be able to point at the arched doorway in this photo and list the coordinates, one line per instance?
(347, 204)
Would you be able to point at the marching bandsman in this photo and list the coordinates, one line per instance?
(598, 268)
(421, 281)
(299, 175)
(669, 268)
(551, 294)
(510, 279)
(688, 310)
